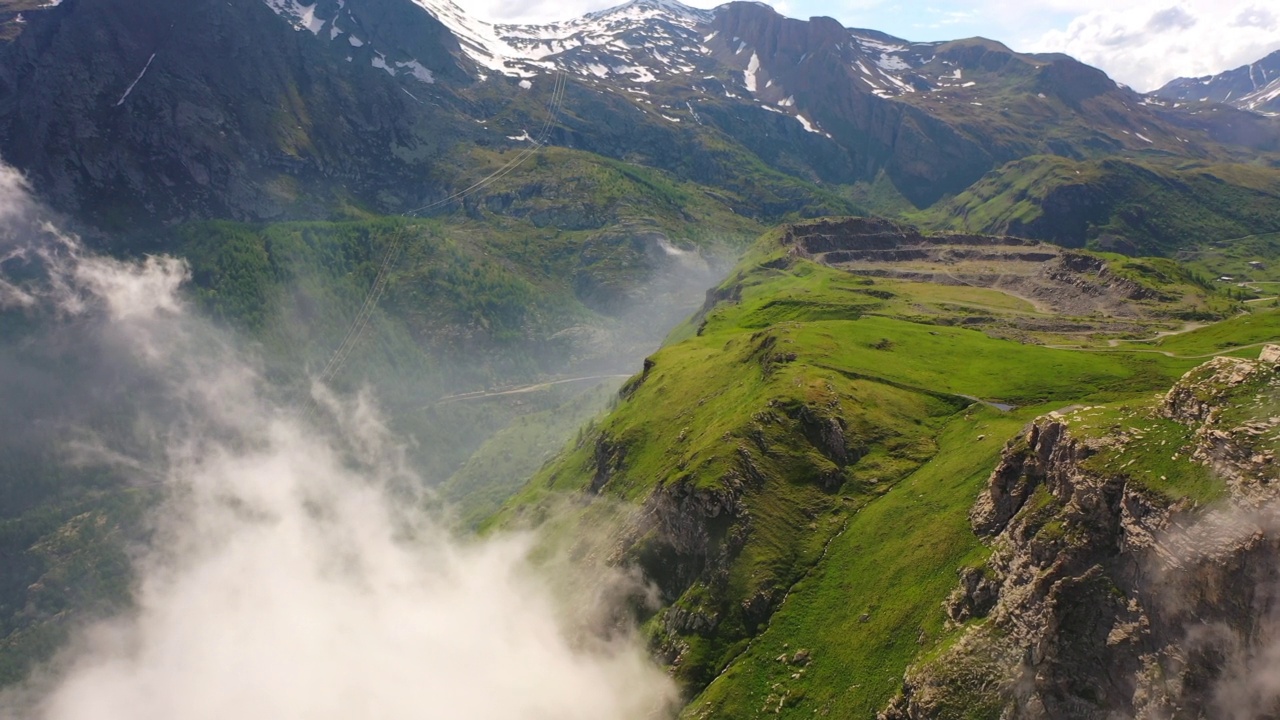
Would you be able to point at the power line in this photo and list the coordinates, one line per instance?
(392, 255)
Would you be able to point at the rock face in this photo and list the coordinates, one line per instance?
(1106, 599)
(819, 67)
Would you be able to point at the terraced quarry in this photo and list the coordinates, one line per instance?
(803, 455)
(1055, 281)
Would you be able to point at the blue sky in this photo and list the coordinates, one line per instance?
(1143, 43)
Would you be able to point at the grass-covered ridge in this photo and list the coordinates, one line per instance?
(805, 452)
(1140, 207)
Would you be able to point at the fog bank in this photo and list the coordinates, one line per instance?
(289, 571)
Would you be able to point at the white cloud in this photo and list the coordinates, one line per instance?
(1146, 44)
(291, 572)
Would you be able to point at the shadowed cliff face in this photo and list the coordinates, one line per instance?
(135, 111)
(814, 62)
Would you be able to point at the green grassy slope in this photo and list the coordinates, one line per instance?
(873, 604)
(1141, 207)
(499, 467)
(842, 547)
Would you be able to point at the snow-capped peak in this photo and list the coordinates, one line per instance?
(480, 40)
(646, 9)
(596, 44)
(1255, 87)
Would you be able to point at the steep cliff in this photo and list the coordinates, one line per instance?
(1135, 567)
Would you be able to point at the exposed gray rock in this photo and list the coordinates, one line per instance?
(1106, 600)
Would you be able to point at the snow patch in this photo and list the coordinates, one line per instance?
(416, 69)
(380, 61)
(749, 75)
(804, 121)
(642, 74)
(302, 17)
(892, 62)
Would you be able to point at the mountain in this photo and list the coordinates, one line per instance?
(248, 111)
(1254, 87)
(125, 113)
(1118, 204)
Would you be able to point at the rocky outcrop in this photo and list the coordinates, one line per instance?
(1238, 446)
(1105, 599)
(684, 535)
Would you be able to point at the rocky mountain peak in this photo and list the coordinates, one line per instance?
(1254, 87)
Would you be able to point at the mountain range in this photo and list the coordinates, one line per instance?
(163, 104)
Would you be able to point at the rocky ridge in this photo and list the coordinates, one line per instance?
(1107, 595)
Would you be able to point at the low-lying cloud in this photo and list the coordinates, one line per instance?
(289, 572)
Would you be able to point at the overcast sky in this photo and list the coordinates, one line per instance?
(1142, 43)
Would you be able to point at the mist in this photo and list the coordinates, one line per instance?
(287, 567)
(1217, 584)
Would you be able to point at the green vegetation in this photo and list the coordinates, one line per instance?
(1140, 207)
(874, 604)
(63, 559)
(1245, 331)
(499, 467)
(1248, 259)
(832, 421)
(1149, 450)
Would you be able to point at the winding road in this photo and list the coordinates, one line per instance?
(480, 394)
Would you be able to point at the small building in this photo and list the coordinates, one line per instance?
(1226, 278)
(1255, 265)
